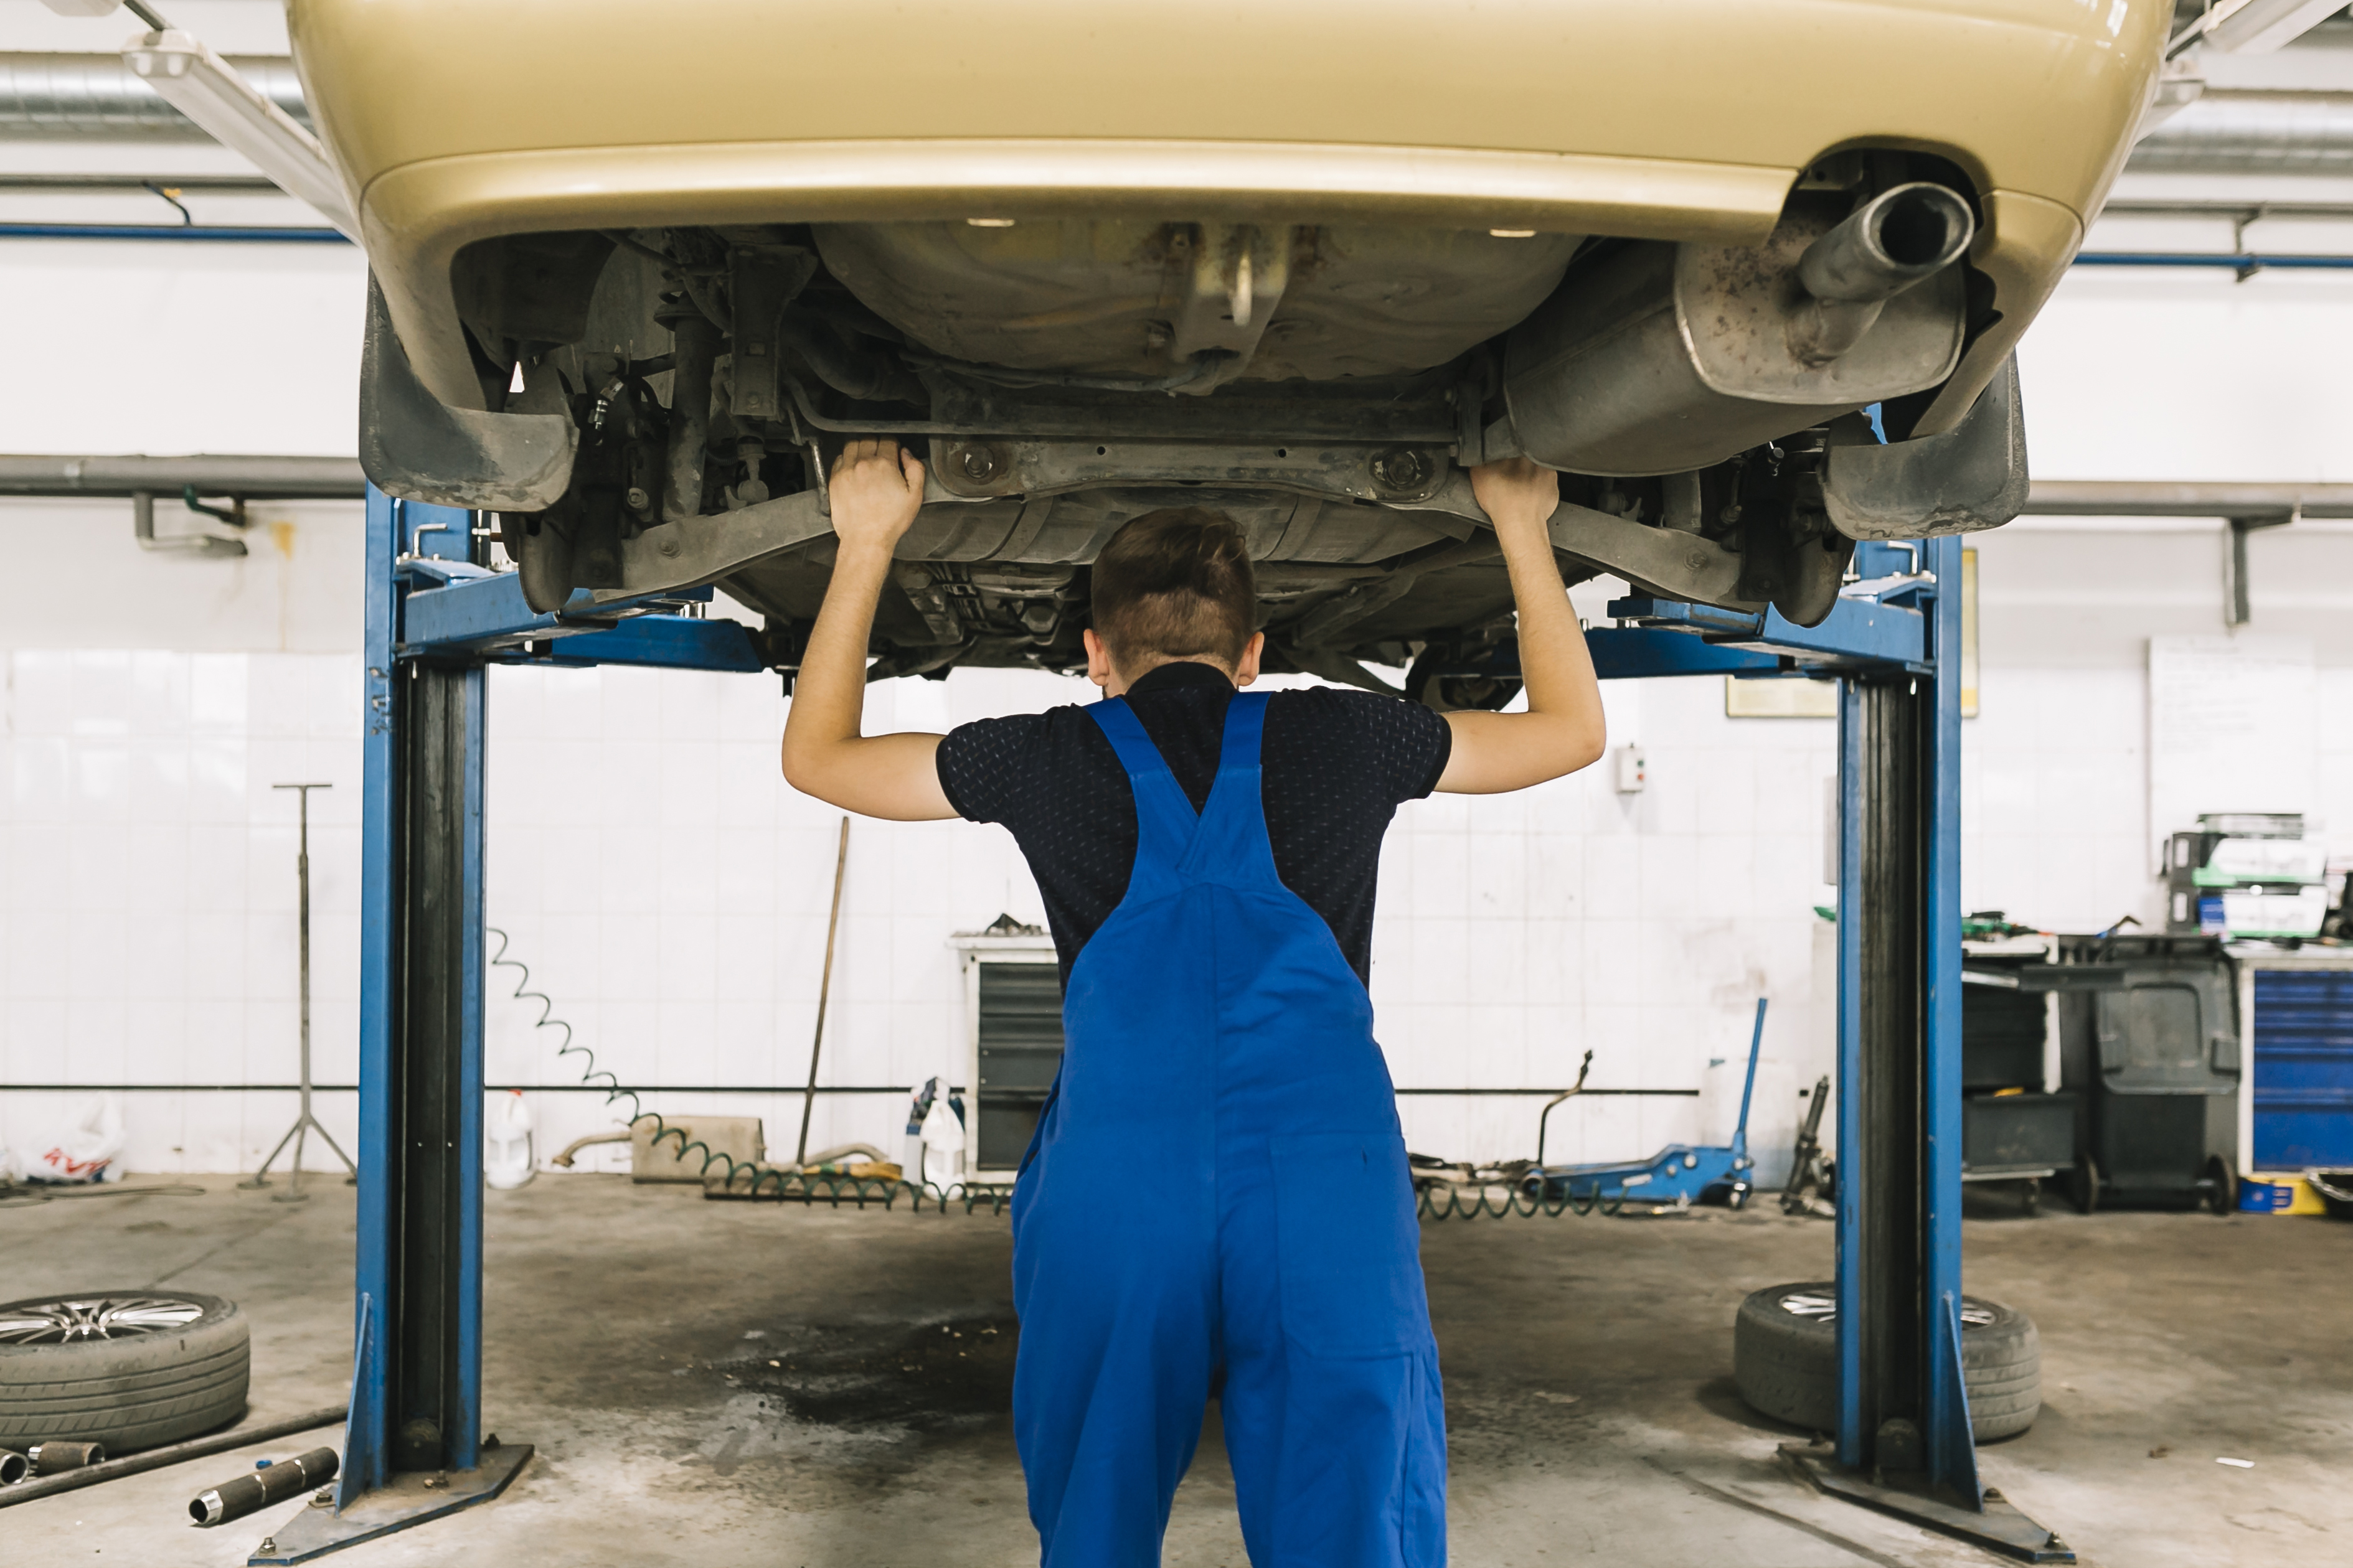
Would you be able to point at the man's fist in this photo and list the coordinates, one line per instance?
(876, 489)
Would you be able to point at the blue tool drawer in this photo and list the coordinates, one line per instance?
(2303, 1069)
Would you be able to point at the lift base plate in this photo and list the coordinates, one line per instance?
(2000, 1528)
(410, 1498)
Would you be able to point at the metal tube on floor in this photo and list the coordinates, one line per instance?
(171, 1454)
(287, 1478)
(53, 1459)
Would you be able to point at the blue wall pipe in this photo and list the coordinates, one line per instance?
(2234, 263)
(213, 232)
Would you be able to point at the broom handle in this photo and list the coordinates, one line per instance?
(824, 987)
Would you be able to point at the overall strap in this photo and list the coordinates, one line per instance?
(1245, 729)
(1232, 846)
(1166, 822)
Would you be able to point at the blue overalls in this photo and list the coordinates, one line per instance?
(1216, 1200)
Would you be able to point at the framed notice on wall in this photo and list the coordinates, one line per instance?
(2230, 729)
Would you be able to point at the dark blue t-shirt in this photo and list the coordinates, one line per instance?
(1335, 766)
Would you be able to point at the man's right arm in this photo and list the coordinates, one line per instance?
(1562, 729)
(876, 490)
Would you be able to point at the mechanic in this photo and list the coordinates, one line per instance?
(1217, 1199)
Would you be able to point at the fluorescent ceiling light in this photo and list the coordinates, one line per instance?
(232, 112)
(2259, 27)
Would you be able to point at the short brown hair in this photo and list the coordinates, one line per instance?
(1176, 584)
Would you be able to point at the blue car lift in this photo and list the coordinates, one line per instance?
(414, 1446)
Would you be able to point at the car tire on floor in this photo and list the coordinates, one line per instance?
(1784, 1360)
(131, 1369)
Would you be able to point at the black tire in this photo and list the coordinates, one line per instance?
(1784, 1360)
(131, 1369)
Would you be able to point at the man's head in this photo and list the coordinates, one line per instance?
(1174, 585)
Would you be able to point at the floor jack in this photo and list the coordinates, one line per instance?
(1675, 1177)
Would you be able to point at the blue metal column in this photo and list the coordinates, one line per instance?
(1902, 1402)
(1853, 1437)
(415, 1395)
(364, 1436)
(1951, 1448)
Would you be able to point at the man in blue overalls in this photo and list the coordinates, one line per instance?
(1216, 1200)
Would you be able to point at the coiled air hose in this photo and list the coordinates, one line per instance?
(743, 1178)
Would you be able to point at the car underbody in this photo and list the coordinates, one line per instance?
(660, 405)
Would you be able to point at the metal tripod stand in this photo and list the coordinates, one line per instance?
(304, 1123)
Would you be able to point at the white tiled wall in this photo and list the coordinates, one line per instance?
(669, 892)
(147, 926)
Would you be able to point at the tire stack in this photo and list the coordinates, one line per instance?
(1784, 1360)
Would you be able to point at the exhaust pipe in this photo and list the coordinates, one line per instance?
(286, 1478)
(13, 1467)
(50, 1458)
(1900, 238)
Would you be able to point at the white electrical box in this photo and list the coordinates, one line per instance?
(1629, 766)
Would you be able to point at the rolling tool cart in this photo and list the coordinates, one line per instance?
(2012, 1128)
(2152, 1049)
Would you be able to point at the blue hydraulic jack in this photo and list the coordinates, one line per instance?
(1677, 1176)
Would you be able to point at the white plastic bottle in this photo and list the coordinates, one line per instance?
(507, 1144)
(942, 1144)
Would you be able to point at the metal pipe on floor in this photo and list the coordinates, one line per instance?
(55, 1458)
(173, 1454)
(251, 1492)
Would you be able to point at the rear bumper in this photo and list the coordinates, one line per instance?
(1672, 118)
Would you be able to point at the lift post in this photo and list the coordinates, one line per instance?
(1892, 642)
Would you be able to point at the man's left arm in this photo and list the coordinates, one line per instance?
(876, 490)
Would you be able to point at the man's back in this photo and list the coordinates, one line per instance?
(1337, 764)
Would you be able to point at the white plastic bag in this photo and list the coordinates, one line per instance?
(87, 1148)
(507, 1158)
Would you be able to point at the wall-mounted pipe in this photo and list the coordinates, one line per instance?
(215, 234)
(255, 477)
(2246, 264)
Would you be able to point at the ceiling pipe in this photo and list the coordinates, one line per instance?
(93, 98)
(2250, 130)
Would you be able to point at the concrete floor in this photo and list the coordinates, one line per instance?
(720, 1383)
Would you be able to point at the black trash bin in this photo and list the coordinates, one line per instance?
(2154, 1062)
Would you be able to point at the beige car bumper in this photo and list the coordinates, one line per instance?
(1671, 119)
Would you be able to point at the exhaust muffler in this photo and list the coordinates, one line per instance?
(1662, 358)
